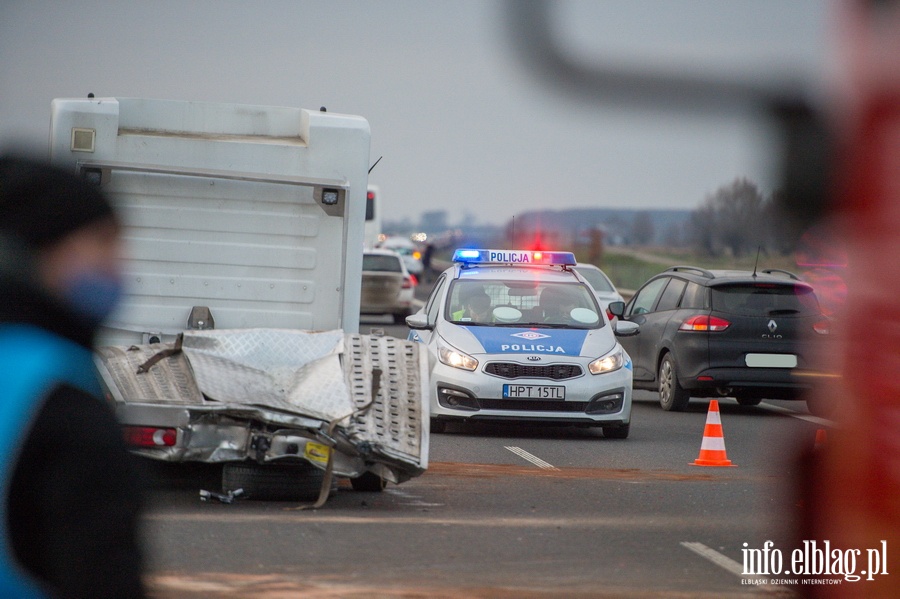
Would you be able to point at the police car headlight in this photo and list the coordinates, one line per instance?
(456, 359)
(608, 363)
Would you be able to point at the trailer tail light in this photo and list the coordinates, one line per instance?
(704, 323)
(148, 436)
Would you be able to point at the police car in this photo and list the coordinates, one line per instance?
(518, 335)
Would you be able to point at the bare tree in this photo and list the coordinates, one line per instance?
(734, 218)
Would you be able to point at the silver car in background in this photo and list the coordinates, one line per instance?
(604, 290)
(387, 287)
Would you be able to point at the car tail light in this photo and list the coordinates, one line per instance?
(703, 322)
(149, 436)
(609, 315)
(823, 327)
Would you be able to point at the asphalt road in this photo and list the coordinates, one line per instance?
(507, 511)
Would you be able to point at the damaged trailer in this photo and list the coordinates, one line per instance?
(236, 341)
(265, 402)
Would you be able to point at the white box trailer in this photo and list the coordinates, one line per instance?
(244, 230)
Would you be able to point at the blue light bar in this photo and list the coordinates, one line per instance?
(470, 256)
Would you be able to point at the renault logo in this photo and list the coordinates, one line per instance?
(772, 326)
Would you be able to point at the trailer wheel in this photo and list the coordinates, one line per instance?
(369, 482)
(298, 481)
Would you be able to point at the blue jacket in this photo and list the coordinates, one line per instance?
(72, 495)
(32, 363)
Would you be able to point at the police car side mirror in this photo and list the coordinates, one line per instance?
(418, 321)
(626, 329)
(617, 308)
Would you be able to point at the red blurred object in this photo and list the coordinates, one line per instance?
(854, 486)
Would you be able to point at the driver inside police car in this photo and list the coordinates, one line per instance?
(476, 306)
(557, 304)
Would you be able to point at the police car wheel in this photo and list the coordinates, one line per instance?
(617, 432)
(672, 396)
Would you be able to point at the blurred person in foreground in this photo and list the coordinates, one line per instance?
(72, 494)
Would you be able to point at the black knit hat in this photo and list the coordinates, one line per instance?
(40, 204)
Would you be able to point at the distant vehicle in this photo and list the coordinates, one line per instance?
(373, 217)
(718, 333)
(517, 335)
(603, 288)
(387, 287)
(408, 250)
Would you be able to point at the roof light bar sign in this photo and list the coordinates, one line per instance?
(479, 256)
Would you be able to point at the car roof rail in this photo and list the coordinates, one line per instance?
(682, 268)
(771, 271)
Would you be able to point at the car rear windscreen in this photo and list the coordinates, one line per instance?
(765, 299)
(378, 263)
(595, 278)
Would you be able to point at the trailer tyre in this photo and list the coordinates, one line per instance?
(369, 482)
(271, 482)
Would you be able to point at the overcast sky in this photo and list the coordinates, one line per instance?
(461, 120)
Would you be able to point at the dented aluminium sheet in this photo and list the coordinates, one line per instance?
(270, 394)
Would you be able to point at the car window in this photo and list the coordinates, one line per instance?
(764, 299)
(694, 297)
(381, 263)
(596, 278)
(522, 303)
(671, 295)
(402, 250)
(432, 306)
(645, 299)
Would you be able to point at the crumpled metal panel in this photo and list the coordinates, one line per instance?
(284, 369)
(169, 381)
(295, 380)
(396, 422)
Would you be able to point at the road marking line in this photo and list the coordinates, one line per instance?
(532, 458)
(715, 557)
(413, 500)
(725, 562)
(797, 415)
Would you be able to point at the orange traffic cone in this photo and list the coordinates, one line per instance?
(712, 450)
(821, 438)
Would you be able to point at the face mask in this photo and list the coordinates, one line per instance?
(94, 295)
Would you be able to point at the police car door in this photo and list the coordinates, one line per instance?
(433, 311)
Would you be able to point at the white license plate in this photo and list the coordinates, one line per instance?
(534, 392)
(771, 360)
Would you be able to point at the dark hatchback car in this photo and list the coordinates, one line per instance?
(741, 334)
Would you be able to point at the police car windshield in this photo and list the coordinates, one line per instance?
(522, 304)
